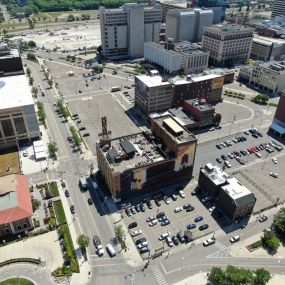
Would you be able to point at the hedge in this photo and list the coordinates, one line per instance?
(20, 260)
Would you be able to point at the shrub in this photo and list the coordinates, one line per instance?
(36, 204)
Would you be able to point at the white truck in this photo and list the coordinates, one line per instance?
(83, 183)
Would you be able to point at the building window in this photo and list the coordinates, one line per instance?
(19, 227)
(7, 128)
(20, 125)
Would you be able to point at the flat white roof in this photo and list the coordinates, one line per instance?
(152, 81)
(272, 40)
(235, 189)
(15, 92)
(197, 78)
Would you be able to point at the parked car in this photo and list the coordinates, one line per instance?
(144, 250)
(178, 209)
(218, 160)
(258, 154)
(82, 128)
(224, 157)
(25, 153)
(157, 202)
(128, 212)
(66, 193)
(203, 227)
(142, 244)
(133, 210)
(90, 202)
(190, 209)
(151, 218)
(175, 240)
(173, 197)
(132, 225)
(169, 241)
(274, 160)
(198, 219)
(262, 219)
(191, 226)
(218, 146)
(181, 237)
(149, 204)
(186, 206)
(206, 199)
(136, 233)
(166, 200)
(181, 194)
(142, 207)
(153, 223)
(212, 209)
(234, 239)
(273, 174)
(159, 215)
(143, 239)
(164, 236)
(209, 241)
(165, 222)
(72, 209)
(138, 208)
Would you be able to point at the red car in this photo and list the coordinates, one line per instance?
(157, 202)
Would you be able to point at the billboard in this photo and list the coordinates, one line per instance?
(218, 82)
(185, 156)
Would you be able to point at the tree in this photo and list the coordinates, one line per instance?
(52, 149)
(28, 70)
(262, 276)
(35, 204)
(32, 44)
(35, 91)
(50, 83)
(32, 57)
(41, 113)
(62, 109)
(279, 222)
(217, 276)
(70, 18)
(119, 232)
(83, 241)
(31, 80)
(76, 138)
(270, 241)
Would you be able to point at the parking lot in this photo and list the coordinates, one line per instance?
(179, 221)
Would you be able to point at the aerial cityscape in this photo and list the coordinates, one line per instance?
(142, 142)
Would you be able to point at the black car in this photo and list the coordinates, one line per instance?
(218, 146)
(72, 209)
(218, 160)
(175, 240)
(144, 200)
(142, 207)
(255, 135)
(140, 240)
(149, 204)
(259, 134)
(66, 193)
(128, 212)
(180, 237)
(224, 157)
(203, 227)
(86, 135)
(173, 197)
(90, 202)
(137, 207)
(160, 215)
(188, 205)
(132, 225)
(144, 250)
(190, 209)
(82, 129)
(69, 139)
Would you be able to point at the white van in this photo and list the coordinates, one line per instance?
(83, 182)
(111, 250)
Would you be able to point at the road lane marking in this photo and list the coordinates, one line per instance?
(158, 276)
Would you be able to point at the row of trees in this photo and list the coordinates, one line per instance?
(35, 6)
(236, 276)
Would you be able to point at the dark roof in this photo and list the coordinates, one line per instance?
(112, 154)
(245, 200)
(127, 146)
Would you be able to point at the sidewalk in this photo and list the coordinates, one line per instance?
(84, 266)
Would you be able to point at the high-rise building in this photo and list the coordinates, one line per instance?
(174, 57)
(278, 124)
(217, 6)
(125, 30)
(18, 120)
(227, 43)
(187, 24)
(278, 8)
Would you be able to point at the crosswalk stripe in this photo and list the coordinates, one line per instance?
(159, 276)
(220, 246)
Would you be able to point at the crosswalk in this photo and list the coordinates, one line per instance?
(159, 276)
(222, 251)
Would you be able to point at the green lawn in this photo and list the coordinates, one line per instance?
(17, 281)
(59, 212)
(53, 189)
